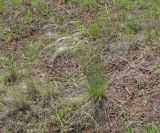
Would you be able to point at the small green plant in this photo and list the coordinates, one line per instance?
(131, 25)
(5, 34)
(10, 74)
(59, 116)
(149, 36)
(28, 16)
(129, 130)
(32, 51)
(94, 28)
(140, 4)
(158, 36)
(122, 3)
(2, 7)
(150, 130)
(80, 25)
(41, 6)
(3, 79)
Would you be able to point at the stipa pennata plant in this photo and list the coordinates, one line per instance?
(93, 70)
(87, 57)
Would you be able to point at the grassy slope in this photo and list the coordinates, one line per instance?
(76, 66)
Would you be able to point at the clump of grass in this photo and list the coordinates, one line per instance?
(122, 3)
(88, 58)
(149, 36)
(32, 51)
(158, 36)
(140, 4)
(129, 130)
(2, 6)
(10, 74)
(94, 28)
(93, 70)
(3, 79)
(28, 16)
(41, 6)
(80, 25)
(132, 25)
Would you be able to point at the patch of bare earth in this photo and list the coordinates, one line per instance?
(135, 83)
